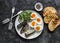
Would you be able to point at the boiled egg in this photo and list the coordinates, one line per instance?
(37, 28)
(38, 20)
(33, 16)
(32, 24)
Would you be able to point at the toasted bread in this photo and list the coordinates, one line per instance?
(48, 18)
(54, 23)
(49, 10)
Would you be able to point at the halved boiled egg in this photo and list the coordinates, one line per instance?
(38, 20)
(33, 16)
(32, 24)
(37, 28)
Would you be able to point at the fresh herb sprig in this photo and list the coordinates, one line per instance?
(25, 15)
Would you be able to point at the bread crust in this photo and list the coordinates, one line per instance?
(54, 23)
(49, 10)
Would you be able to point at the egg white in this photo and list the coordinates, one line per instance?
(35, 16)
(38, 22)
(31, 24)
(39, 26)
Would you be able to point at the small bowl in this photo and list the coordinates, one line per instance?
(38, 6)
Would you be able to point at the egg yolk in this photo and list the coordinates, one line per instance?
(37, 28)
(38, 20)
(33, 15)
(33, 23)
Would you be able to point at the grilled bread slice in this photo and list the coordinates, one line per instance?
(49, 10)
(54, 23)
(48, 18)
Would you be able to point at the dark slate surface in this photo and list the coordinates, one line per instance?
(7, 36)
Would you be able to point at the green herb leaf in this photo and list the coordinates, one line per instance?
(25, 15)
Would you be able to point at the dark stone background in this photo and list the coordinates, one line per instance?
(10, 36)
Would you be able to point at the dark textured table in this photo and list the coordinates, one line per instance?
(10, 36)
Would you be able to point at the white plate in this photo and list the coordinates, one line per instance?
(36, 34)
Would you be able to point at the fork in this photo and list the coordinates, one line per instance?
(11, 23)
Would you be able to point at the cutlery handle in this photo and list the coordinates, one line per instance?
(16, 14)
(10, 26)
(13, 9)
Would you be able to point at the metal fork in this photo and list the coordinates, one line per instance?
(11, 23)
